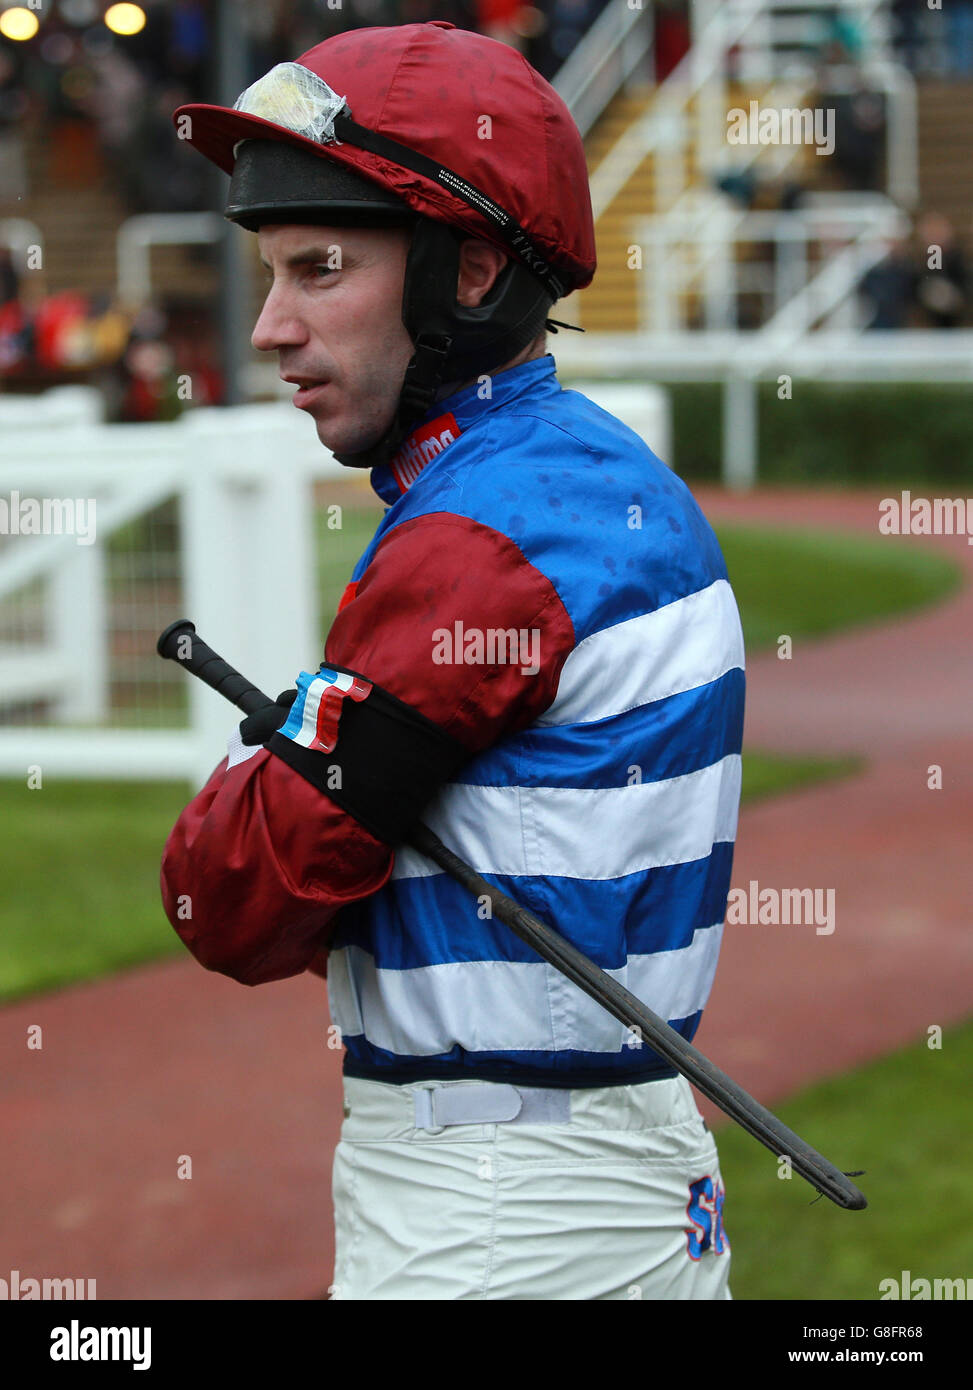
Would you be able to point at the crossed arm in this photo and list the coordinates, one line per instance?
(260, 862)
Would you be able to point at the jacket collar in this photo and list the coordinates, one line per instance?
(453, 416)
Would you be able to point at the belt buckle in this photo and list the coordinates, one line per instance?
(424, 1110)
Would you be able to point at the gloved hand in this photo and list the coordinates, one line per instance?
(257, 728)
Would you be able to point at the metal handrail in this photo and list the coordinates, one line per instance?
(663, 127)
(137, 235)
(620, 35)
(709, 230)
(20, 234)
(672, 100)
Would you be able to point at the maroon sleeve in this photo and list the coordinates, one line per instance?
(259, 862)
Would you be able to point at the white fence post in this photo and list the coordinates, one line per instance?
(78, 631)
(247, 544)
(739, 431)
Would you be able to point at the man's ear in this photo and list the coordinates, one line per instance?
(479, 266)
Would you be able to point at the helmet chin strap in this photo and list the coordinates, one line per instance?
(419, 389)
(428, 297)
(453, 342)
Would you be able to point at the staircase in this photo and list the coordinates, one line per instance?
(946, 153)
(611, 304)
(73, 198)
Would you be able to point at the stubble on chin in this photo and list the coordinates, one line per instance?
(364, 421)
(353, 437)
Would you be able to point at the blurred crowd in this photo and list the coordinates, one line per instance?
(77, 74)
(77, 78)
(103, 106)
(922, 282)
(131, 356)
(934, 36)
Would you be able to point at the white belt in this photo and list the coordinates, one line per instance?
(486, 1103)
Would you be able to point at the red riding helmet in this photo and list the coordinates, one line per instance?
(431, 125)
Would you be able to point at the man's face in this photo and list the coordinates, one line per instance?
(333, 314)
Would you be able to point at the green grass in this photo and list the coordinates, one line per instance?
(338, 550)
(770, 774)
(905, 1120)
(803, 583)
(883, 435)
(81, 874)
(808, 583)
(81, 880)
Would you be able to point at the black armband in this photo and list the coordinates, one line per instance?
(367, 751)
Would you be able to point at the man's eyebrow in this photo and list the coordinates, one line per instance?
(312, 255)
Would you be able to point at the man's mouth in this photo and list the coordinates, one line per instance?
(308, 389)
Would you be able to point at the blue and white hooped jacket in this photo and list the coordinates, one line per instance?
(612, 815)
(549, 593)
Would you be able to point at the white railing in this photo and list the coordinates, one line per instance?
(787, 29)
(664, 127)
(21, 235)
(871, 229)
(698, 245)
(700, 81)
(605, 59)
(243, 479)
(902, 130)
(739, 361)
(136, 237)
(62, 407)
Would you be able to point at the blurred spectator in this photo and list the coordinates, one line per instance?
(51, 335)
(934, 38)
(14, 330)
(672, 37)
(943, 280)
(889, 287)
(859, 150)
(194, 340)
(907, 30)
(567, 23)
(15, 337)
(157, 175)
(189, 45)
(844, 36)
(959, 17)
(498, 20)
(76, 332)
(151, 47)
(116, 99)
(149, 385)
(151, 392)
(9, 279)
(13, 109)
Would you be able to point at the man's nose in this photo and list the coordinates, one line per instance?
(279, 324)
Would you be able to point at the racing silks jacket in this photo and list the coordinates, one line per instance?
(545, 590)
